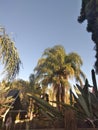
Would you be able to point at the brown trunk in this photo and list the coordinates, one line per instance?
(70, 120)
(62, 94)
(58, 97)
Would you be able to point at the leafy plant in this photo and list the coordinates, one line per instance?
(9, 56)
(4, 101)
(84, 105)
(46, 106)
(86, 101)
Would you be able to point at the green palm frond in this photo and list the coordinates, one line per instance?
(9, 57)
(46, 105)
(5, 101)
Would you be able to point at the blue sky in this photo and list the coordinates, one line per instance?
(38, 24)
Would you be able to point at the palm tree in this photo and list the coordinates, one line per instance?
(55, 68)
(9, 56)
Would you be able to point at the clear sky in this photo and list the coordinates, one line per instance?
(38, 24)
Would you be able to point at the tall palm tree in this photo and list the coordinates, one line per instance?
(55, 68)
(9, 56)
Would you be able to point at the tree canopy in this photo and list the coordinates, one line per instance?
(56, 67)
(89, 12)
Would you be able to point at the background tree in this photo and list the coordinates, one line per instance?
(23, 87)
(9, 56)
(89, 12)
(10, 60)
(55, 68)
(32, 80)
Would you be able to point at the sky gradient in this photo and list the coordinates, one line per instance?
(36, 25)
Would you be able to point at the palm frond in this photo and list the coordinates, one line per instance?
(9, 57)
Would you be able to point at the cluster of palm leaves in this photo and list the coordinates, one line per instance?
(4, 100)
(9, 56)
(10, 59)
(55, 68)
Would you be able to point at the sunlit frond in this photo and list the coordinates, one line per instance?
(9, 57)
(56, 67)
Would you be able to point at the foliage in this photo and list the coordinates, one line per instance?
(48, 109)
(31, 80)
(4, 101)
(9, 56)
(87, 102)
(89, 12)
(55, 67)
(84, 104)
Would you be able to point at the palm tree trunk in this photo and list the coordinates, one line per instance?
(62, 94)
(58, 97)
